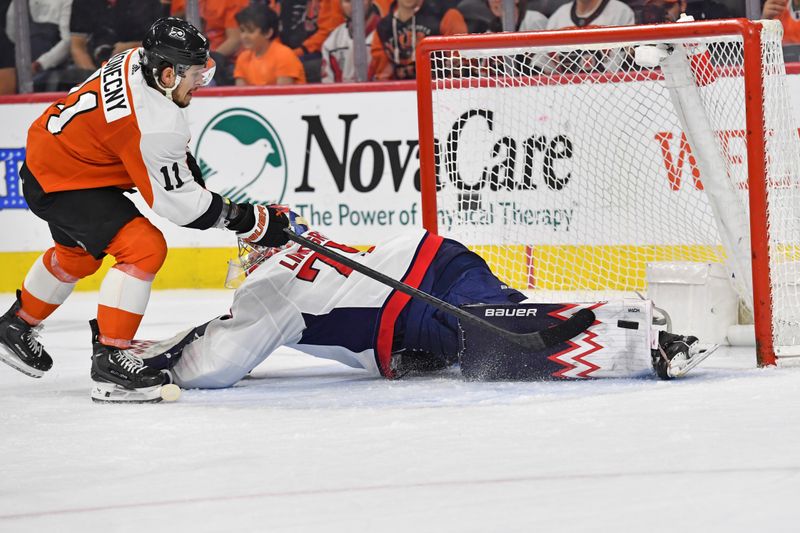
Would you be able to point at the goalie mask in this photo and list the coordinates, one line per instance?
(173, 42)
(249, 258)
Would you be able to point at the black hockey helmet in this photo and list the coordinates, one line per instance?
(173, 42)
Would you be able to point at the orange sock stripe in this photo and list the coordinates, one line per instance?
(134, 271)
(119, 343)
(117, 327)
(34, 310)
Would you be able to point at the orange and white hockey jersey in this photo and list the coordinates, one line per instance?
(114, 130)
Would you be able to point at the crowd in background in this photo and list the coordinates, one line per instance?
(276, 42)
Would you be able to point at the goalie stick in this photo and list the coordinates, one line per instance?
(537, 340)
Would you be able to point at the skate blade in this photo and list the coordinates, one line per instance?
(11, 359)
(696, 359)
(113, 393)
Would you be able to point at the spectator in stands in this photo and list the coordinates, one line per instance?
(658, 11)
(484, 16)
(305, 24)
(779, 9)
(222, 30)
(409, 21)
(338, 64)
(582, 14)
(265, 59)
(709, 10)
(49, 35)
(8, 72)
(526, 18)
(652, 11)
(102, 28)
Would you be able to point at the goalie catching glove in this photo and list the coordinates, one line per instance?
(262, 225)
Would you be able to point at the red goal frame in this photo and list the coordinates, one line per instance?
(754, 116)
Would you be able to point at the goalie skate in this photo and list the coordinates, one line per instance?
(682, 365)
(677, 355)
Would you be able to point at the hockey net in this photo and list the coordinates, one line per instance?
(571, 159)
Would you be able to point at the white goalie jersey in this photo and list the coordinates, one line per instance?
(301, 299)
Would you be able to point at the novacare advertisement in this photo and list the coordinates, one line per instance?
(352, 172)
(349, 162)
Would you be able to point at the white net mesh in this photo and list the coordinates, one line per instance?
(783, 194)
(571, 170)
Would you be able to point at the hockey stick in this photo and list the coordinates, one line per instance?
(537, 340)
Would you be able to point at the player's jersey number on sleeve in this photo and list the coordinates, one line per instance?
(58, 121)
(168, 184)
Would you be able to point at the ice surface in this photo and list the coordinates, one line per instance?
(310, 445)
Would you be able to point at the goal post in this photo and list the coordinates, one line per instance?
(571, 159)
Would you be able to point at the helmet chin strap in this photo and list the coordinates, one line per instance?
(168, 90)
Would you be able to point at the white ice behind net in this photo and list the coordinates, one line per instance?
(569, 170)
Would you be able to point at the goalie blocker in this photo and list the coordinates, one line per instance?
(620, 343)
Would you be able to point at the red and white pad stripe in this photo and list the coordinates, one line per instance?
(617, 345)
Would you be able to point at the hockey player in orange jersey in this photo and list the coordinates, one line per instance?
(123, 128)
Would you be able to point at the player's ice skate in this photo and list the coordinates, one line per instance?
(19, 344)
(121, 377)
(678, 354)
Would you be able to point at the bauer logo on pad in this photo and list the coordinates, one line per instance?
(506, 311)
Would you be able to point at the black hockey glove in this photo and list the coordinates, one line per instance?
(258, 224)
(194, 168)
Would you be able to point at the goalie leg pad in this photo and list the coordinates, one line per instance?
(616, 345)
(487, 357)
